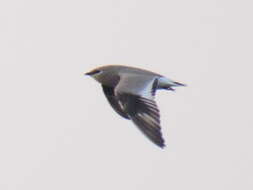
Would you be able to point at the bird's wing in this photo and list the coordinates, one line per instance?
(140, 106)
(145, 114)
(113, 100)
(136, 84)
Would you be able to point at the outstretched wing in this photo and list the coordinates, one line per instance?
(136, 95)
(145, 115)
(113, 100)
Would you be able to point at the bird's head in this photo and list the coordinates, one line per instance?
(105, 74)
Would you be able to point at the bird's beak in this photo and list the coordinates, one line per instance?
(89, 73)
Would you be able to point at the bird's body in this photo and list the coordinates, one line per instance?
(131, 92)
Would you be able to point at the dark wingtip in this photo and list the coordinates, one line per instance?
(160, 142)
(162, 146)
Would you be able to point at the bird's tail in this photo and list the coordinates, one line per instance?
(179, 84)
(168, 84)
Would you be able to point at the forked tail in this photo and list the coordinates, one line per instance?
(168, 84)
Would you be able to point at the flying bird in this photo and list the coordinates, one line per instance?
(131, 93)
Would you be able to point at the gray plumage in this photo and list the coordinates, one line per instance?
(131, 92)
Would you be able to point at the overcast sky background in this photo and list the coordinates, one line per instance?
(57, 131)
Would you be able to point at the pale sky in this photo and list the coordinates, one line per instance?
(57, 130)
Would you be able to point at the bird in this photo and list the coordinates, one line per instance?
(131, 93)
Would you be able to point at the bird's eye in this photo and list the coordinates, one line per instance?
(93, 72)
